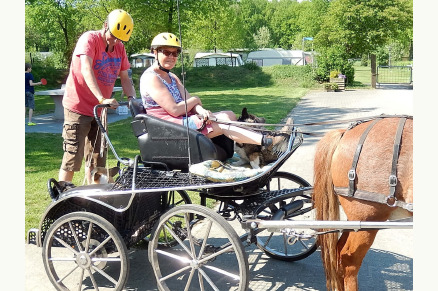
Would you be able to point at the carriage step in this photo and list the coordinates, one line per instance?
(32, 235)
(288, 209)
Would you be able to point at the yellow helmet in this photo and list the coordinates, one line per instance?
(120, 24)
(166, 39)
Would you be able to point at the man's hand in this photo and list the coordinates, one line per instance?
(112, 102)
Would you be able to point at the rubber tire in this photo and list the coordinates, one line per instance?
(205, 215)
(105, 230)
(281, 255)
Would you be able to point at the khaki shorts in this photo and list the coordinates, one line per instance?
(82, 137)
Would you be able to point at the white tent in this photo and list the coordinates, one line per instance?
(142, 60)
(216, 59)
(270, 57)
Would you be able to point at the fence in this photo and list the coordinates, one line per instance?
(394, 74)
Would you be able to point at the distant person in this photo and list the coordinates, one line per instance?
(29, 91)
(98, 59)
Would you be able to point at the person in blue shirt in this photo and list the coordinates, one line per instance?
(29, 91)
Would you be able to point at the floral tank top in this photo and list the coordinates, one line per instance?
(148, 102)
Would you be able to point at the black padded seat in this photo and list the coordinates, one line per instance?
(166, 142)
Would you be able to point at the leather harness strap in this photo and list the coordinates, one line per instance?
(352, 172)
(391, 199)
(374, 197)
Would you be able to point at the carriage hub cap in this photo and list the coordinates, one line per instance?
(194, 264)
(83, 260)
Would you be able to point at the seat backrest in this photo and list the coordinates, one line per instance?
(166, 142)
(136, 107)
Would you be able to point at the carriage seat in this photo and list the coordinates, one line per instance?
(166, 142)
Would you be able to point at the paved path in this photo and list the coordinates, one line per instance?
(47, 124)
(387, 266)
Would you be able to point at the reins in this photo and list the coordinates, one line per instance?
(251, 125)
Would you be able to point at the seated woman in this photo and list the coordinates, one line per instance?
(163, 96)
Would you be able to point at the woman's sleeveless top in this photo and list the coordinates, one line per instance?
(148, 102)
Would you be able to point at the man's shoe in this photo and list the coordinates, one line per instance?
(31, 123)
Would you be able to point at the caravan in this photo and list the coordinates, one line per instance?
(217, 59)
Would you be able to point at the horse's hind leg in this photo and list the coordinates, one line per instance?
(352, 248)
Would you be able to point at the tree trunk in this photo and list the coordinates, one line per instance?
(373, 71)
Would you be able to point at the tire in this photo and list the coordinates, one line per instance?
(84, 251)
(210, 257)
(281, 246)
(174, 199)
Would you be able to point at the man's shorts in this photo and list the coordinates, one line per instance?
(30, 100)
(82, 137)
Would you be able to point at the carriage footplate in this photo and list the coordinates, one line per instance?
(253, 205)
(147, 178)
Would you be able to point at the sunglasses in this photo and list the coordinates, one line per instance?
(168, 53)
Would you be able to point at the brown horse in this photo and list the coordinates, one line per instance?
(334, 159)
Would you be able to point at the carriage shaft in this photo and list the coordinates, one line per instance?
(322, 224)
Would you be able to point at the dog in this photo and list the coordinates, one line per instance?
(101, 175)
(256, 155)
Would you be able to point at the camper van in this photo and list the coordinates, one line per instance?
(217, 59)
(270, 57)
(142, 60)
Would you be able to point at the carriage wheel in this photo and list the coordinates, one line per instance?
(209, 257)
(173, 199)
(281, 246)
(83, 251)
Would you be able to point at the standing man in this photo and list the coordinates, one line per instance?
(29, 91)
(99, 57)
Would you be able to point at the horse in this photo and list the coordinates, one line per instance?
(368, 169)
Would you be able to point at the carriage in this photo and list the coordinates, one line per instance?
(86, 231)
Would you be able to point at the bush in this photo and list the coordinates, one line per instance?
(334, 58)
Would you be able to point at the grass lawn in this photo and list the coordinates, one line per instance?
(43, 152)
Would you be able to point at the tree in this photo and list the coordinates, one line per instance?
(362, 27)
(215, 25)
(263, 37)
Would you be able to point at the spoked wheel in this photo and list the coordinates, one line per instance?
(210, 256)
(172, 199)
(299, 243)
(83, 251)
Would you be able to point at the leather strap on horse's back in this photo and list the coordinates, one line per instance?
(393, 176)
(389, 200)
(352, 172)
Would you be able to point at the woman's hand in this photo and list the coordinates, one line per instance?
(204, 113)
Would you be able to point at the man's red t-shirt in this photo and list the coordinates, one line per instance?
(106, 66)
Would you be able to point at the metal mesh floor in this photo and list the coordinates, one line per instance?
(146, 178)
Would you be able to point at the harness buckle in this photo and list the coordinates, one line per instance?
(389, 202)
(392, 180)
(351, 175)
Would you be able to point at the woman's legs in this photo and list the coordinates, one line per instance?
(235, 133)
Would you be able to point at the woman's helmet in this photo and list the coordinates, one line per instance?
(165, 39)
(120, 24)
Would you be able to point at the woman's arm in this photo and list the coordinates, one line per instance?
(159, 92)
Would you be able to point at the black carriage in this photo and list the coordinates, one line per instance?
(86, 231)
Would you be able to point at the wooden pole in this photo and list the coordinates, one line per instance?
(373, 71)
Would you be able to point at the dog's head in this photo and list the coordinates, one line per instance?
(101, 175)
(246, 117)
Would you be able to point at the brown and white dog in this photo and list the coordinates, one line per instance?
(101, 175)
(256, 155)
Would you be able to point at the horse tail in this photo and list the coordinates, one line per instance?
(326, 204)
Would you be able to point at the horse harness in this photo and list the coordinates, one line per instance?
(389, 200)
